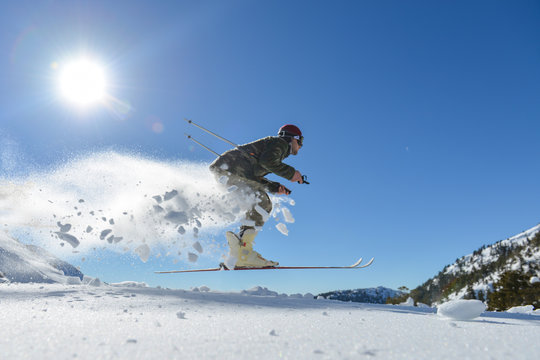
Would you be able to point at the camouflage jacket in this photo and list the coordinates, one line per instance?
(255, 160)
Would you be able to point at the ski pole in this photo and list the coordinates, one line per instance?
(201, 144)
(211, 133)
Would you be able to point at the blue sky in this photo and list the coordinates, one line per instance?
(421, 118)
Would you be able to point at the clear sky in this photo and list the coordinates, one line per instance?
(421, 118)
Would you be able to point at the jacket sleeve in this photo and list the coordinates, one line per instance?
(271, 158)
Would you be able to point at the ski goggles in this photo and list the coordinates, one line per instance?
(299, 139)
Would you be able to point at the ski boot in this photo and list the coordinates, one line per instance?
(234, 250)
(241, 249)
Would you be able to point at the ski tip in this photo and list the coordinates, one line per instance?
(368, 263)
(357, 263)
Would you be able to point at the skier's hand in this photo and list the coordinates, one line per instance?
(297, 177)
(283, 190)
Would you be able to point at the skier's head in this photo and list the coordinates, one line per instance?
(290, 132)
(293, 135)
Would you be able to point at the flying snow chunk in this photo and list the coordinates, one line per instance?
(177, 217)
(197, 246)
(144, 252)
(169, 195)
(265, 215)
(70, 239)
(282, 229)
(114, 239)
(64, 228)
(104, 234)
(461, 309)
(246, 222)
(192, 257)
(287, 215)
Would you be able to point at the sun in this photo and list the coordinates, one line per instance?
(82, 81)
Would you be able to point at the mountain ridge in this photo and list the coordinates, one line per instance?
(377, 295)
(483, 272)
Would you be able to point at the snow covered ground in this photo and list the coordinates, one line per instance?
(130, 321)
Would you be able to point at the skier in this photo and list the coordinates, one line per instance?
(246, 167)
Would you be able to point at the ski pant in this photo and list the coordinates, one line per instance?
(249, 187)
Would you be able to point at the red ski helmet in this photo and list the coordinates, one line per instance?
(291, 131)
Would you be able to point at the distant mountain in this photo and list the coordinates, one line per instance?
(29, 263)
(504, 274)
(372, 295)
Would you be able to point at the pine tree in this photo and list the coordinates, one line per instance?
(481, 296)
(470, 293)
(513, 289)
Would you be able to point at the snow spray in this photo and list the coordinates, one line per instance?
(125, 203)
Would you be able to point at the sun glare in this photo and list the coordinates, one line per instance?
(82, 82)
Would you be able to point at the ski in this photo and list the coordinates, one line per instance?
(356, 265)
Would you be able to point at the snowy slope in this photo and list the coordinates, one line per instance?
(29, 263)
(54, 321)
(477, 272)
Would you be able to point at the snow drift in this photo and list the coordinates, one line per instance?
(461, 309)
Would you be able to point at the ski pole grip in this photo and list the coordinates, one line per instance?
(304, 179)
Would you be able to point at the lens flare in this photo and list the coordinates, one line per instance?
(158, 127)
